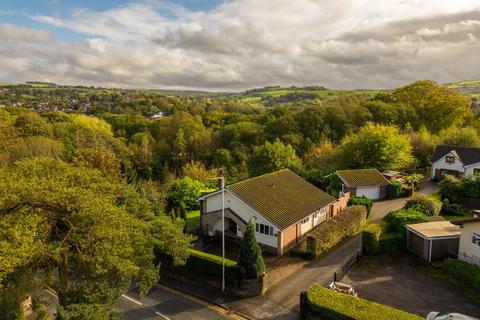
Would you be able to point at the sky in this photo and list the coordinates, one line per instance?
(232, 45)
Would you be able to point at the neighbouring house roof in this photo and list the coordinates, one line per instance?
(468, 155)
(461, 222)
(282, 197)
(437, 229)
(362, 178)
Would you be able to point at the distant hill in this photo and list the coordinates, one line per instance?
(467, 87)
(277, 94)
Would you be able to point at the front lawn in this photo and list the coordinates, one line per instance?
(193, 220)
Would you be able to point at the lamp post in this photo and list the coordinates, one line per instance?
(221, 185)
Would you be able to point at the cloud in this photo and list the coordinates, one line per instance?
(245, 43)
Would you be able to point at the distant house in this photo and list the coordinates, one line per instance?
(369, 183)
(283, 206)
(433, 241)
(456, 161)
(469, 249)
(157, 115)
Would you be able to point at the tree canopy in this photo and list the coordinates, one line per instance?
(97, 236)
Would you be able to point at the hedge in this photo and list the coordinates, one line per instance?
(331, 305)
(426, 205)
(200, 266)
(355, 201)
(330, 233)
(399, 218)
(453, 188)
(467, 274)
(377, 239)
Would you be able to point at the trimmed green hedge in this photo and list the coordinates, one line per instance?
(329, 233)
(399, 218)
(330, 305)
(427, 205)
(356, 201)
(377, 239)
(467, 274)
(200, 266)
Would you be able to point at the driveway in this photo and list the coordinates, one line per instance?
(404, 283)
(282, 300)
(381, 208)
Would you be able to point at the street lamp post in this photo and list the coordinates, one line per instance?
(222, 186)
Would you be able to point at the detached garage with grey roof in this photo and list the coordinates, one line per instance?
(369, 183)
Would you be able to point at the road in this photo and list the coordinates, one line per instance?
(281, 302)
(168, 304)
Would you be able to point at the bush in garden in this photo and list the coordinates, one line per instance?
(355, 201)
(426, 205)
(450, 187)
(395, 189)
(454, 209)
(399, 218)
(467, 274)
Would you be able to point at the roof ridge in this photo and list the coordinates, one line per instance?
(260, 176)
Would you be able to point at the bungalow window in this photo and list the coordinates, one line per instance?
(476, 172)
(476, 239)
(305, 220)
(264, 229)
(450, 159)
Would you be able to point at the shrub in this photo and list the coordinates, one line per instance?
(377, 239)
(399, 218)
(395, 190)
(467, 274)
(453, 188)
(250, 261)
(328, 304)
(454, 209)
(426, 205)
(356, 201)
(328, 234)
(450, 187)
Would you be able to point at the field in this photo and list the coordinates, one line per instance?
(468, 87)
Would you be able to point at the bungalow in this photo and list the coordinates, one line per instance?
(456, 161)
(369, 183)
(433, 240)
(283, 206)
(469, 249)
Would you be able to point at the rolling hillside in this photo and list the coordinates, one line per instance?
(467, 87)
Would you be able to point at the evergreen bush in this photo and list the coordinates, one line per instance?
(250, 262)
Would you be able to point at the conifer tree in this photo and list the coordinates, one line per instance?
(250, 261)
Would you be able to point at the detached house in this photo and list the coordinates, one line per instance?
(456, 161)
(283, 206)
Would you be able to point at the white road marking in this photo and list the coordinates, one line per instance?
(133, 300)
(163, 316)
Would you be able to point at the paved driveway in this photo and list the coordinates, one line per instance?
(403, 283)
(381, 208)
(282, 300)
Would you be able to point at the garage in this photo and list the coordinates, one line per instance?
(369, 192)
(368, 183)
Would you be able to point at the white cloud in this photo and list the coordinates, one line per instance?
(246, 43)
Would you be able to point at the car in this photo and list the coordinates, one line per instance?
(343, 288)
(448, 316)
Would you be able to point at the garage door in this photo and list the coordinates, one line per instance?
(369, 192)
